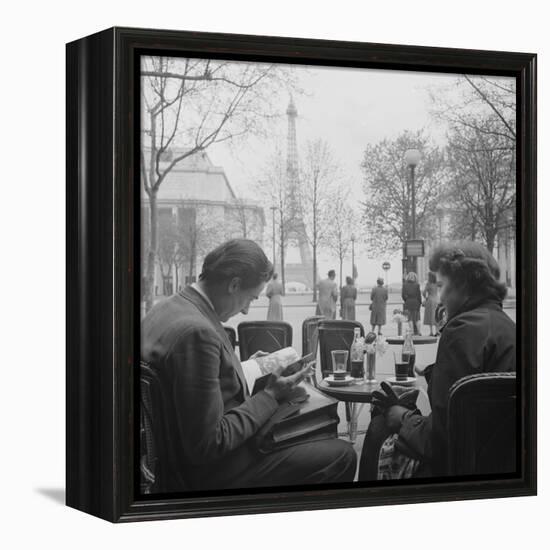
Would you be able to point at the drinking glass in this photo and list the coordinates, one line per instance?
(339, 362)
(401, 366)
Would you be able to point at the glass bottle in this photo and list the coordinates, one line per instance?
(408, 353)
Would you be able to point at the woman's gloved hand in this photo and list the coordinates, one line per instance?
(396, 395)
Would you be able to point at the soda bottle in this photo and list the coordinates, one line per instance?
(357, 354)
(408, 353)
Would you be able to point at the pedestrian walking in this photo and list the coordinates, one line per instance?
(379, 299)
(412, 300)
(274, 292)
(431, 300)
(348, 297)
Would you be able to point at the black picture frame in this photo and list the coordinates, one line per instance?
(103, 272)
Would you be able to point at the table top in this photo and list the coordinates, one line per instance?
(417, 340)
(359, 392)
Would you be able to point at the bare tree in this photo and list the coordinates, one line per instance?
(276, 191)
(191, 104)
(343, 223)
(205, 234)
(244, 219)
(168, 248)
(484, 181)
(388, 193)
(319, 176)
(471, 99)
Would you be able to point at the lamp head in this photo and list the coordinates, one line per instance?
(412, 157)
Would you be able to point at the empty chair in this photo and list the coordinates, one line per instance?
(265, 336)
(310, 334)
(232, 334)
(482, 415)
(335, 335)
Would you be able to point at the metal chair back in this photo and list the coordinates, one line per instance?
(265, 336)
(482, 416)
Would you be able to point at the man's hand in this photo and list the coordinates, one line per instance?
(283, 388)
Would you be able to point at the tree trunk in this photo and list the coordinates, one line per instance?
(282, 254)
(192, 260)
(314, 278)
(341, 284)
(151, 256)
(490, 241)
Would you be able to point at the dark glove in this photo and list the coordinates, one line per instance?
(396, 395)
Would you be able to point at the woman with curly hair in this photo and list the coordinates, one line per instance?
(478, 337)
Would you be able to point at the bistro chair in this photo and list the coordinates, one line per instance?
(148, 459)
(268, 336)
(333, 335)
(482, 415)
(160, 469)
(310, 334)
(232, 335)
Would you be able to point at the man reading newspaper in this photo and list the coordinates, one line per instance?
(210, 420)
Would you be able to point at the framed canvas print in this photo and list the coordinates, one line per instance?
(300, 274)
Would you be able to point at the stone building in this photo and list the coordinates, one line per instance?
(197, 210)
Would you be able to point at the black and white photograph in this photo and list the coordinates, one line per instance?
(329, 274)
(274, 275)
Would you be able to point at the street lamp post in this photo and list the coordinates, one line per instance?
(412, 158)
(353, 257)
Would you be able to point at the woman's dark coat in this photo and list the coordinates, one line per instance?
(412, 299)
(479, 338)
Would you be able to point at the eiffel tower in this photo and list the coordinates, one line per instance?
(296, 272)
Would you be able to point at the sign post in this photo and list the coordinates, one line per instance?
(414, 248)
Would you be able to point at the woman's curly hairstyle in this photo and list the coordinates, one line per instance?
(471, 266)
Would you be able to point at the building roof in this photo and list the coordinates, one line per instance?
(194, 178)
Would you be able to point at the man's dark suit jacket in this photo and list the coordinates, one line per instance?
(210, 418)
(480, 338)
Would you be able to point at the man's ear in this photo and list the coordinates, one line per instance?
(234, 285)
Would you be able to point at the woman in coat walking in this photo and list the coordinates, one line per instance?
(412, 300)
(274, 291)
(379, 298)
(348, 297)
(430, 303)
